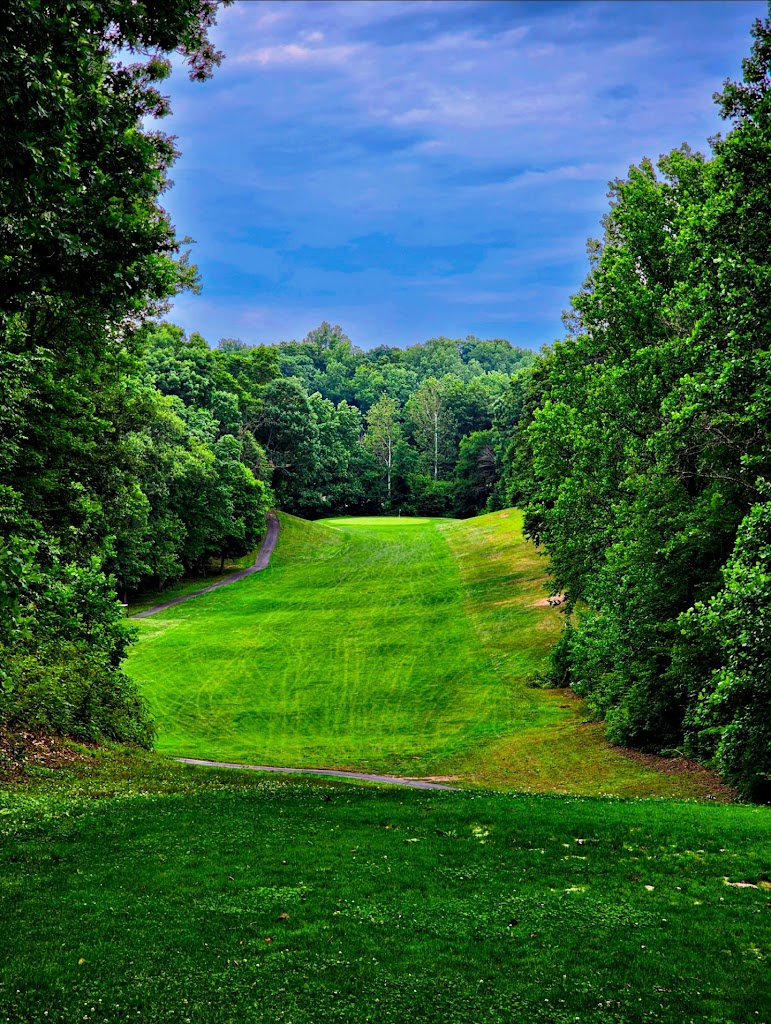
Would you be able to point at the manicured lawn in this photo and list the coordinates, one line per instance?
(351, 649)
(397, 645)
(144, 891)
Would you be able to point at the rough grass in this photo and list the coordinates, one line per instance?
(393, 645)
(134, 890)
(142, 600)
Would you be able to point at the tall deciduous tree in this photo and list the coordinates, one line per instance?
(86, 252)
(433, 423)
(384, 431)
(646, 461)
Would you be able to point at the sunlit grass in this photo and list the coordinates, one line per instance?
(396, 645)
(141, 601)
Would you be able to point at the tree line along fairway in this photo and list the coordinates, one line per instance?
(387, 644)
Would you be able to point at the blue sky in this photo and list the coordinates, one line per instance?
(416, 169)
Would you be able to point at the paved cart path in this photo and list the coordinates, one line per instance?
(261, 562)
(394, 780)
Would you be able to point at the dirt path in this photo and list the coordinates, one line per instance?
(393, 780)
(263, 558)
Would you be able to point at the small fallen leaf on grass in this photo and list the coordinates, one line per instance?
(283, 917)
(81, 961)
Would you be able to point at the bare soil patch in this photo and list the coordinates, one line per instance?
(714, 788)
(20, 751)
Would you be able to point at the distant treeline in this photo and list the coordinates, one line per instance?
(334, 430)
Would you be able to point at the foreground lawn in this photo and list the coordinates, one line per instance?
(391, 645)
(146, 891)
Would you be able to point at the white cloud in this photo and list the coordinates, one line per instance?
(296, 53)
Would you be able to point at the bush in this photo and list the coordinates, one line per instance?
(63, 639)
(68, 690)
(732, 712)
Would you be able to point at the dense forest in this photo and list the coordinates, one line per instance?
(132, 454)
(333, 430)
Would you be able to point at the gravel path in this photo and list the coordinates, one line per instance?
(393, 780)
(263, 558)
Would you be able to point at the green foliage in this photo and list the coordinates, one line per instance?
(418, 403)
(641, 442)
(733, 707)
(434, 426)
(61, 653)
(86, 253)
(383, 440)
(476, 473)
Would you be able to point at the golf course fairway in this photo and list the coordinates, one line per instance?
(398, 645)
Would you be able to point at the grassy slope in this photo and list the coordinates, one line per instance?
(550, 746)
(146, 890)
(328, 657)
(392, 645)
(139, 602)
(222, 898)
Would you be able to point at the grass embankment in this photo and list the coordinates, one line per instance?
(205, 897)
(390, 645)
(141, 601)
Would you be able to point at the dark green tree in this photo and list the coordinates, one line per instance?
(86, 252)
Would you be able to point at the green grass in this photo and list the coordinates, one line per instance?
(141, 601)
(133, 888)
(138, 890)
(351, 649)
(385, 644)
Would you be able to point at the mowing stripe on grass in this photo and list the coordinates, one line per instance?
(388, 646)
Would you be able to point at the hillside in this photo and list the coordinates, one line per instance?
(388, 644)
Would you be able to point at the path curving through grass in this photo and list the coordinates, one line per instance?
(388, 780)
(261, 562)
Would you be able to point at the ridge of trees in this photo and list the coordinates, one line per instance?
(336, 430)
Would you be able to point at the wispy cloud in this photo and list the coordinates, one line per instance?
(300, 53)
(483, 131)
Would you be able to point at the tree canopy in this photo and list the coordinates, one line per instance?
(642, 456)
